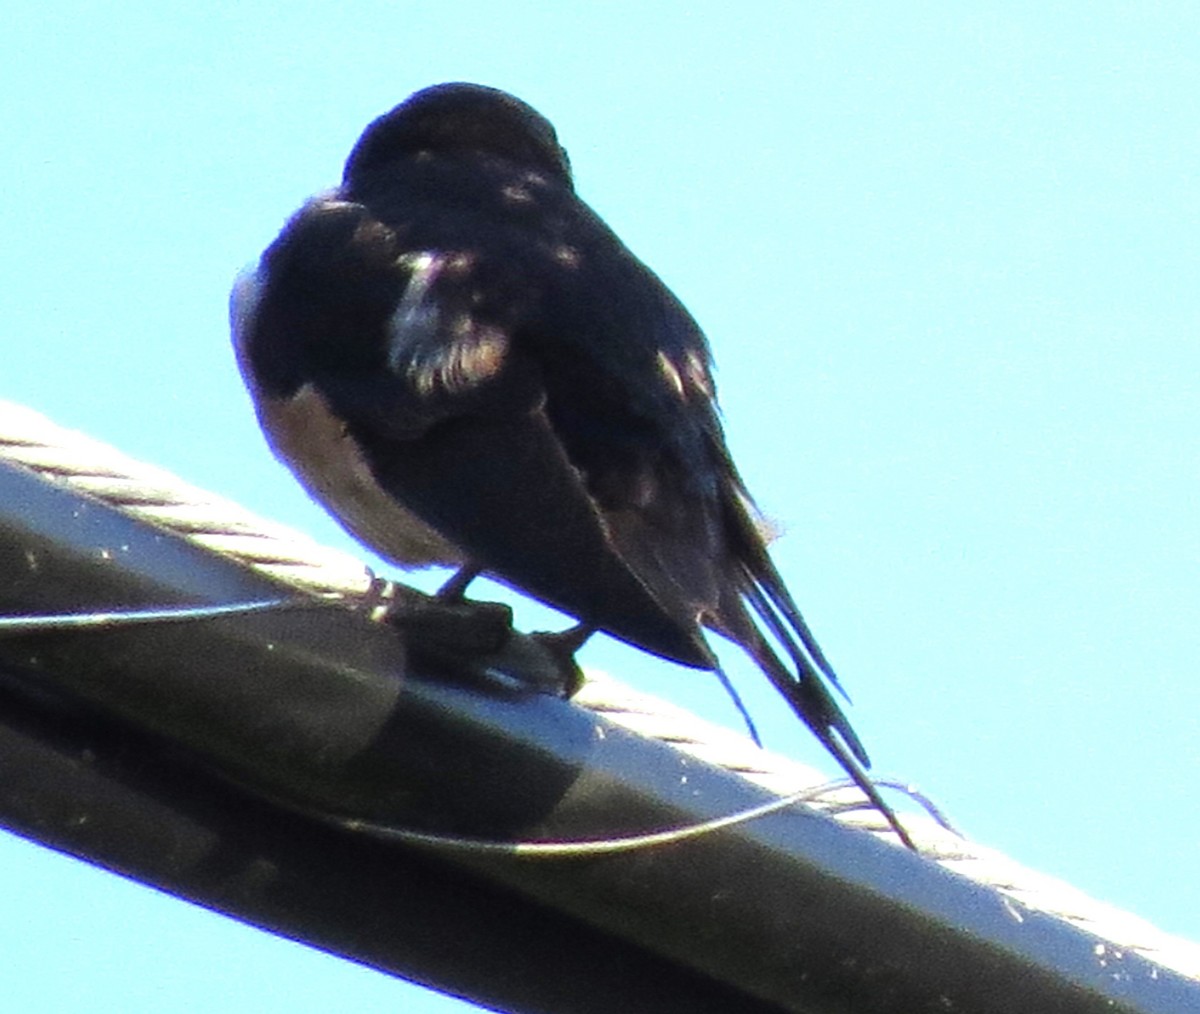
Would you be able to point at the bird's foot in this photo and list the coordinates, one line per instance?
(475, 640)
(559, 648)
(433, 624)
(539, 662)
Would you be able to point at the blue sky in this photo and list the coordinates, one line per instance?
(947, 258)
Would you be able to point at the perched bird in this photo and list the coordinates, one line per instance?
(467, 367)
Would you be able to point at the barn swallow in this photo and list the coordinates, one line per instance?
(467, 367)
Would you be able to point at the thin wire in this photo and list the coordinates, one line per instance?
(583, 847)
(32, 624)
(907, 788)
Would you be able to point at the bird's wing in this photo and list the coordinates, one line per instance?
(682, 520)
(455, 428)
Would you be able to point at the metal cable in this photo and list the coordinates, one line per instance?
(158, 498)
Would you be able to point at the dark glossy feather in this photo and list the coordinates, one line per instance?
(524, 389)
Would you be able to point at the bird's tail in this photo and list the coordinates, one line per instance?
(803, 687)
(804, 683)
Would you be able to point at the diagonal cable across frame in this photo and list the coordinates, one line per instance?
(159, 498)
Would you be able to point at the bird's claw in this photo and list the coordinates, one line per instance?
(475, 639)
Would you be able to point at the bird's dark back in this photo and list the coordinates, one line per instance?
(626, 369)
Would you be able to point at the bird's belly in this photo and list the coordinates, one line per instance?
(314, 444)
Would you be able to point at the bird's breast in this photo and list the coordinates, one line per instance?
(311, 440)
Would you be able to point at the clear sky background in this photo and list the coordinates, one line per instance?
(947, 257)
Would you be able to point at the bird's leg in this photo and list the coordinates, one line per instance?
(453, 589)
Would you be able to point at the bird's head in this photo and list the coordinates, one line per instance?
(460, 119)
